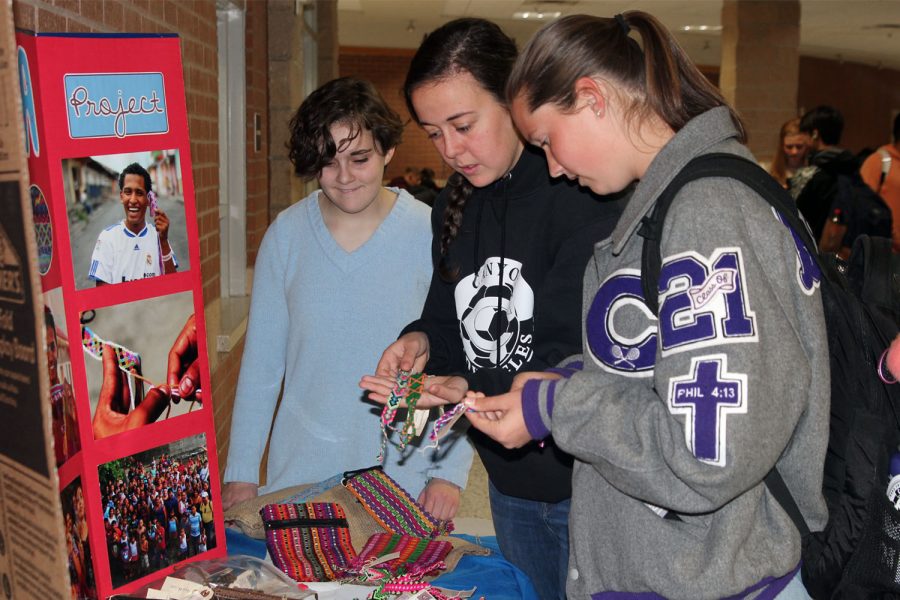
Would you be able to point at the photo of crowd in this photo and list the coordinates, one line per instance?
(78, 550)
(157, 508)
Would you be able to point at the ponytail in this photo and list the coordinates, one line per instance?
(656, 76)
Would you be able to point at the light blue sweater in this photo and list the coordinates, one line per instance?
(320, 318)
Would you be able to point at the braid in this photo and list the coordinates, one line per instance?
(459, 191)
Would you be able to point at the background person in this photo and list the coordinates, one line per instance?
(790, 155)
(881, 172)
(820, 201)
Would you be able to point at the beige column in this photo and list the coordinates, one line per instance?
(328, 45)
(293, 26)
(760, 66)
(286, 92)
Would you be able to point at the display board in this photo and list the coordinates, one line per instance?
(106, 480)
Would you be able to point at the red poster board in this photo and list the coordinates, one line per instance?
(93, 105)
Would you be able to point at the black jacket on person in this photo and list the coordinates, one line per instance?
(819, 200)
(521, 251)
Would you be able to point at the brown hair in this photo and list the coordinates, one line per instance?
(778, 170)
(349, 101)
(657, 76)
(477, 47)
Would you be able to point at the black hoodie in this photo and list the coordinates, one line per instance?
(521, 251)
(816, 201)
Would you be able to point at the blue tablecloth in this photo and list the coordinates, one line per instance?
(495, 578)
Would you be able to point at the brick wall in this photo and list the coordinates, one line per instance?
(756, 36)
(865, 95)
(386, 69)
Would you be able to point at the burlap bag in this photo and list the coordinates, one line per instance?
(245, 516)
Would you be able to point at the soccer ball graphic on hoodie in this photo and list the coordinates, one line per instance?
(494, 314)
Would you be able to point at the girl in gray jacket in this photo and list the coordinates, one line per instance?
(674, 422)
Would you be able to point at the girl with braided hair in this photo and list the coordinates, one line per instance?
(509, 247)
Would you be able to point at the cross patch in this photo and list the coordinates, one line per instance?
(706, 396)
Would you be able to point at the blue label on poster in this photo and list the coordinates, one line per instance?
(32, 143)
(116, 104)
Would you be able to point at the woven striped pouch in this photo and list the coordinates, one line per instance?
(310, 541)
(392, 506)
(417, 556)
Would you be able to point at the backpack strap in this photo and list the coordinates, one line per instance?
(779, 490)
(885, 167)
(757, 179)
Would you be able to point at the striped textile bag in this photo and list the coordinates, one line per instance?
(412, 555)
(392, 506)
(309, 541)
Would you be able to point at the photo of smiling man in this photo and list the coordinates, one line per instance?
(126, 216)
(133, 248)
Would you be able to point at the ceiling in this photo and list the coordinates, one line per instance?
(863, 31)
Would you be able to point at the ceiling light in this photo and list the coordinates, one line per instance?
(701, 28)
(534, 15)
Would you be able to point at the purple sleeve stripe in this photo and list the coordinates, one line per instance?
(531, 408)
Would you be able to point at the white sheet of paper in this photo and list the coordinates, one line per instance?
(330, 590)
(420, 419)
(182, 588)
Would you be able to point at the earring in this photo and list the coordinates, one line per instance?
(598, 112)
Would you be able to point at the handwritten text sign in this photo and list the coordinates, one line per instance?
(116, 104)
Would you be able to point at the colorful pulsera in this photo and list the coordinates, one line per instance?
(154, 204)
(93, 345)
(129, 361)
(444, 423)
(408, 389)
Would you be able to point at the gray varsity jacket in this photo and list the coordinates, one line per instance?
(688, 414)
